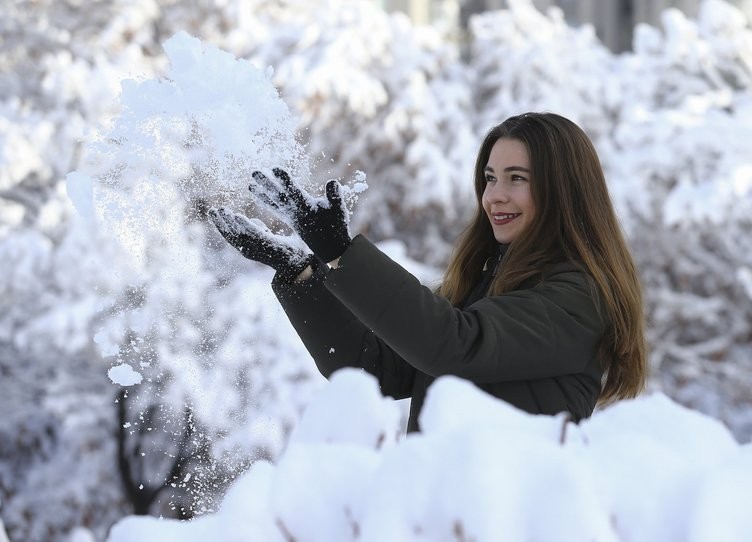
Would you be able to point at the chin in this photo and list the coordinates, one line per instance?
(504, 239)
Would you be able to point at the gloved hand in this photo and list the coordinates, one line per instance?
(256, 242)
(321, 223)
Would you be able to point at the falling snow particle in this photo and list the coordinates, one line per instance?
(124, 375)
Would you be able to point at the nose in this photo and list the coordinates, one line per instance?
(499, 192)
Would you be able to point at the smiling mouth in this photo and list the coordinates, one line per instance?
(500, 219)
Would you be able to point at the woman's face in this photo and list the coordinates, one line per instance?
(507, 199)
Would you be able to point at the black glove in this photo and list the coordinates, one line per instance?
(321, 223)
(256, 242)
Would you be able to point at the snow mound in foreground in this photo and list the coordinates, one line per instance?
(642, 470)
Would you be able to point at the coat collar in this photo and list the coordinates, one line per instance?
(493, 261)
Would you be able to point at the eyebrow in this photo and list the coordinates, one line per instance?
(508, 169)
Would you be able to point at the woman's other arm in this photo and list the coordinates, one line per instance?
(550, 330)
(335, 338)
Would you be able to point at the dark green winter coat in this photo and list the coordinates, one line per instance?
(535, 348)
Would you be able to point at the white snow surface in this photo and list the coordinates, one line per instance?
(639, 471)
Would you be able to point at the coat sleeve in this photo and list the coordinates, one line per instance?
(550, 330)
(335, 338)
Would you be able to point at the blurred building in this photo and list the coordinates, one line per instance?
(613, 20)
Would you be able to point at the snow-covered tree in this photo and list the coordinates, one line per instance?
(526, 60)
(57, 446)
(679, 166)
(376, 94)
(59, 427)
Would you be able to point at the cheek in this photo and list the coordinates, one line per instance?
(484, 201)
(528, 201)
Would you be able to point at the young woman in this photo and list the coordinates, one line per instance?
(540, 305)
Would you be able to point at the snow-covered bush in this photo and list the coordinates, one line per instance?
(678, 162)
(643, 470)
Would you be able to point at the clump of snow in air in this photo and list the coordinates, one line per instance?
(181, 143)
(124, 375)
(194, 134)
(645, 470)
(107, 347)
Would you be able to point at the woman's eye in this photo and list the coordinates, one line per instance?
(518, 178)
(489, 179)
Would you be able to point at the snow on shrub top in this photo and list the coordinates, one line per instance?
(642, 470)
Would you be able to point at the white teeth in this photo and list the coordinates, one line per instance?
(504, 217)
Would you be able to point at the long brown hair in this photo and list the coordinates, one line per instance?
(574, 220)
